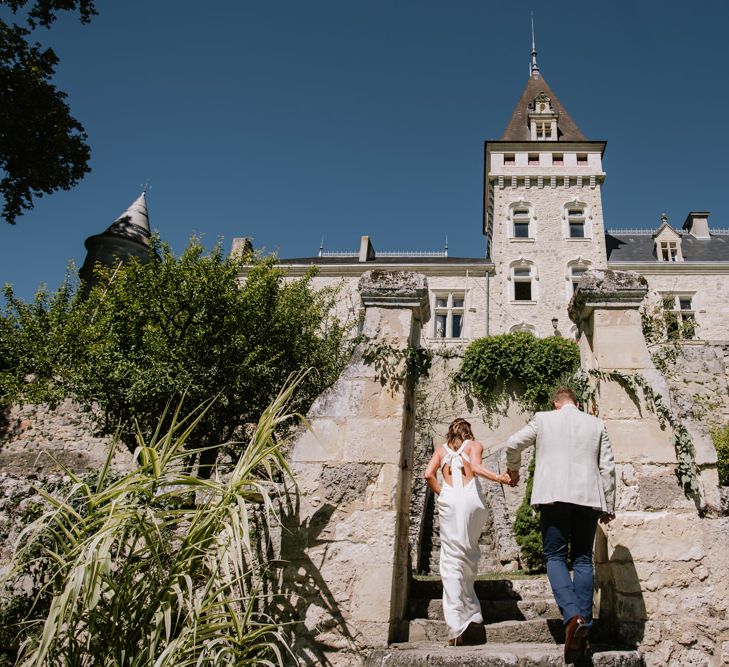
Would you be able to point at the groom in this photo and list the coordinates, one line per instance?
(574, 486)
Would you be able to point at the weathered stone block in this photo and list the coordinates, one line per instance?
(321, 442)
(639, 440)
(373, 440)
(654, 536)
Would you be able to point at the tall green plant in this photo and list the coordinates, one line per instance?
(182, 325)
(157, 567)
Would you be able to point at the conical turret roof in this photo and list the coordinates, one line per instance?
(134, 222)
(518, 127)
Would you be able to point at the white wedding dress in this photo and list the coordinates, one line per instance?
(462, 514)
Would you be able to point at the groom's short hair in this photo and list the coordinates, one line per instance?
(562, 393)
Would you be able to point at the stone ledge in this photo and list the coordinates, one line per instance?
(606, 289)
(396, 289)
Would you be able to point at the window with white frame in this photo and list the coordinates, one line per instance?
(520, 218)
(576, 222)
(448, 320)
(679, 315)
(521, 221)
(544, 130)
(523, 279)
(668, 251)
(576, 272)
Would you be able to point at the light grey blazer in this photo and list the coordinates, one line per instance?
(574, 458)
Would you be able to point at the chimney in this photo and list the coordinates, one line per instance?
(697, 224)
(366, 250)
(242, 246)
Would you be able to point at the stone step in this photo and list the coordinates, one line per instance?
(493, 611)
(487, 589)
(430, 654)
(541, 630)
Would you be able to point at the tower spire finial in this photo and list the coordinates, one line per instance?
(534, 68)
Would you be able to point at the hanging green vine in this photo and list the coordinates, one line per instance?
(516, 367)
(636, 385)
(396, 365)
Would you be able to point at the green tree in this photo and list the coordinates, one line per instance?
(42, 147)
(179, 325)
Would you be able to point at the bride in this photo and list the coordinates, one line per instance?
(462, 515)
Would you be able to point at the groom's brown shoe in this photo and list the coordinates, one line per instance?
(575, 643)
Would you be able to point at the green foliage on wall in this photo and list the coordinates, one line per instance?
(516, 366)
(526, 529)
(180, 326)
(522, 368)
(720, 436)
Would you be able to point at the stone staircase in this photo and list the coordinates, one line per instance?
(522, 628)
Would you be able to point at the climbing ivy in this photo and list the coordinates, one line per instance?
(720, 437)
(527, 530)
(637, 385)
(516, 367)
(395, 365)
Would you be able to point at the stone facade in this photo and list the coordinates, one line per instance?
(348, 531)
(547, 193)
(661, 565)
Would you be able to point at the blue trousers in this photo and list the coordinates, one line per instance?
(569, 529)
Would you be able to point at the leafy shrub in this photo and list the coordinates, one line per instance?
(720, 437)
(180, 326)
(527, 530)
(516, 366)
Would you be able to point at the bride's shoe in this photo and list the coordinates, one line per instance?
(456, 641)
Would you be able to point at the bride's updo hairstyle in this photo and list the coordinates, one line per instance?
(459, 431)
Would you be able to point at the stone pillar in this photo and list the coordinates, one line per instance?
(347, 540)
(652, 561)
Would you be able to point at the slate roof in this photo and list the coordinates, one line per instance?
(518, 127)
(640, 248)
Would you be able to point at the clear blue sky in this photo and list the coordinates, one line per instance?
(289, 120)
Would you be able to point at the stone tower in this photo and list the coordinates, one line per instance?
(127, 237)
(542, 213)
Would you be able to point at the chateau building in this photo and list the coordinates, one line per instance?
(544, 227)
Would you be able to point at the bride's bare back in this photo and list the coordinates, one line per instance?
(467, 469)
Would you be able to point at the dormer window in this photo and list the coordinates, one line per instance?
(544, 130)
(667, 242)
(668, 251)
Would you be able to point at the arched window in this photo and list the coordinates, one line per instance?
(576, 220)
(521, 221)
(523, 327)
(523, 281)
(575, 270)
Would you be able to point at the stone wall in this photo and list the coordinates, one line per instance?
(344, 538)
(661, 576)
(34, 435)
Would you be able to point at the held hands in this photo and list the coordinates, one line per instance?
(510, 477)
